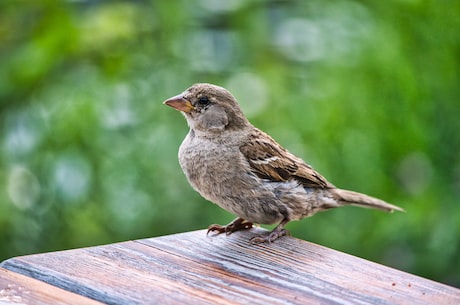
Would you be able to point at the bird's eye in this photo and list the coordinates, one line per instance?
(203, 101)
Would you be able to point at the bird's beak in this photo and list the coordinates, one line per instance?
(180, 103)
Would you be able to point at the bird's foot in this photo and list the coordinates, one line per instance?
(276, 233)
(272, 236)
(236, 225)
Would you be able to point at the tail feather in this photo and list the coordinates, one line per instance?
(346, 197)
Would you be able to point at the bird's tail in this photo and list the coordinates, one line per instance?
(353, 198)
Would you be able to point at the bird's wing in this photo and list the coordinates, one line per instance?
(271, 161)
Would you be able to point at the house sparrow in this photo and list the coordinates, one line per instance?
(244, 171)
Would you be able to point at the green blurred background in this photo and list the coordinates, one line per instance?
(365, 91)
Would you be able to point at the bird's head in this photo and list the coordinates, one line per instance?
(209, 108)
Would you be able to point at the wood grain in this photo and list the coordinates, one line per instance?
(19, 289)
(193, 268)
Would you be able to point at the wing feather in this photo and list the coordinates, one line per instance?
(271, 161)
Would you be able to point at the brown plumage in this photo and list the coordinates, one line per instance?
(243, 170)
(271, 161)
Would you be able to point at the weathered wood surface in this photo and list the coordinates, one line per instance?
(191, 268)
(19, 289)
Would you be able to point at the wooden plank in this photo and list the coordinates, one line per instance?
(19, 289)
(192, 268)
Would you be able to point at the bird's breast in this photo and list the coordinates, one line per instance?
(208, 164)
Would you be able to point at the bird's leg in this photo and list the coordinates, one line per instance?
(235, 225)
(276, 233)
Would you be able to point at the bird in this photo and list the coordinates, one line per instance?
(242, 169)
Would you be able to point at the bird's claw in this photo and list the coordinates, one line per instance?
(236, 225)
(272, 236)
(216, 228)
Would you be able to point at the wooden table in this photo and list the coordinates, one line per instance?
(192, 268)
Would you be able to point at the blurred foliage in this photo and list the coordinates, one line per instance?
(368, 92)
